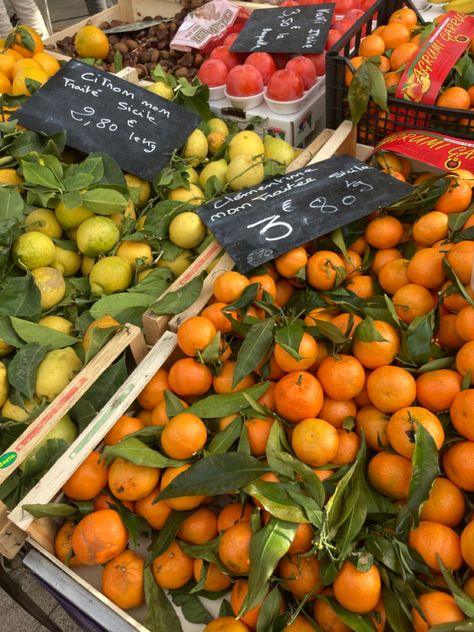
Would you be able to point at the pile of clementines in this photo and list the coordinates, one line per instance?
(308, 456)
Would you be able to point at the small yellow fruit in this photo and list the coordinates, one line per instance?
(90, 41)
(193, 176)
(246, 142)
(55, 371)
(136, 253)
(216, 168)
(110, 274)
(161, 89)
(87, 265)
(33, 250)
(144, 189)
(5, 348)
(104, 322)
(278, 150)
(49, 63)
(17, 413)
(58, 323)
(44, 221)
(187, 230)
(178, 265)
(9, 177)
(4, 385)
(193, 195)
(119, 218)
(71, 217)
(51, 285)
(67, 262)
(218, 125)
(196, 148)
(215, 140)
(97, 236)
(244, 172)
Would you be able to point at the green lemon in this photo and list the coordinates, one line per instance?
(51, 285)
(55, 371)
(196, 148)
(143, 187)
(161, 89)
(17, 413)
(110, 274)
(4, 385)
(246, 142)
(178, 265)
(67, 262)
(244, 172)
(216, 168)
(58, 323)
(187, 230)
(44, 221)
(71, 217)
(97, 236)
(64, 429)
(193, 195)
(33, 250)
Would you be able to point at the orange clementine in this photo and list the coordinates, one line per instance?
(291, 262)
(402, 427)
(325, 270)
(258, 431)
(432, 539)
(307, 350)
(153, 393)
(232, 514)
(228, 287)
(179, 503)
(357, 591)
(189, 378)
(315, 441)
(458, 464)
(173, 568)
(199, 527)
(438, 608)
(391, 388)
(298, 395)
(394, 34)
(156, 514)
(222, 383)
(183, 436)
(88, 480)
(234, 548)
(394, 275)
(301, 575)
(412, 300)
(384, 231)
(99, 537)
(335, 411)
(458, 196)
(375, 353)
(436, 390)
(124, 426)
(128, 481)
(402, 54)
(465, 360)
(430, 228)
(373, 423)
(215, 580)
(390, 474)
(445, 503)
(122, 580)
(341, 376)
(462, 413)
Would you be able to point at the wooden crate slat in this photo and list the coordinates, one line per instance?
(343, 141)
(81, 383)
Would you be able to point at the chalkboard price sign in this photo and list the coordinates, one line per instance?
(256, 225)
(298, 29)
(101, 112)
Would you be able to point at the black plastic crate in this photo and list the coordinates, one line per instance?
(376, 124)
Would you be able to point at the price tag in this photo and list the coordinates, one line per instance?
(295, 29)
(258, 224)
(101, 112)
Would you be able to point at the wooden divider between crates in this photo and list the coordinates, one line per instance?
(22, 447)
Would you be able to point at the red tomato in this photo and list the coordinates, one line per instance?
(213, 72)
(319, 63)
(244, 81)
(353, 15)
(264, 63)
(230, 39)
(285, 85)
(333, 37)
(224, 54)
(305, 69)
(343, 6)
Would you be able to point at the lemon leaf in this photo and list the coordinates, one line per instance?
(104, 201)
(32, 332)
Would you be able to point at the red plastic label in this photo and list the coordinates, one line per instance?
(436, 150)
(424, 75)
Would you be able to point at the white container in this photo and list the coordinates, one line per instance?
(285, 107)
(245, 103)
(216, 93)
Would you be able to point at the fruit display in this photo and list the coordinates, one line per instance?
(382, 100)
(307, 456)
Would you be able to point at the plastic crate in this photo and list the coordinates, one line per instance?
(376, 124)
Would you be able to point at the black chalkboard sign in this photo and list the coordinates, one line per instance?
(101, 112)
(295, 29)
(258, 224)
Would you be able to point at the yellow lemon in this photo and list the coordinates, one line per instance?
(58, 323)
(216, 168)
(248, 143)
(4, 385)
(187, 230)
(87, 265)
(55, 371)
(67, 262)
(17, 413)
(10, 177)
(196, 148)
(144, 188)
(178, 265)
(91, 41)
(33, 250)
(244, 172)
(136, 253)
(278, 150)
(21, 79)
(110, 274)
(119, 218)
(71, 217)
(51, 285)
(97, 236)
(5, 348)
(49, 63)
(193, 176)
(161, 89)
(44, 221)
(193, 195)
(65, 429)
(215, 140)
(218, 125)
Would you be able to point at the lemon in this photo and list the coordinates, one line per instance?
(71, 217)
(193, 195)
(215, 140)
(71, 233)
(9, 176)
(244, 172)
(67, 262)
(196, 148)
(64, 429)
(58, 323)
(4, 385)
(278, 150)
(87, 265)
(143, 274)
(97, 236)
(51, 285)
(135, 252)
(218, 125)
(44, 221)
(246, 142)
(141, 222)
(5, 348)
(110, 274)
(55, 371)
(134, 182)
(193, 176)
(33, 250)
(187, 230)
(119, 218)
(216, 168)
(161, 89)
(17, 413)
(178, 265)
(104, 322)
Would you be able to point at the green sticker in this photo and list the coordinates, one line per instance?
(7, 459)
